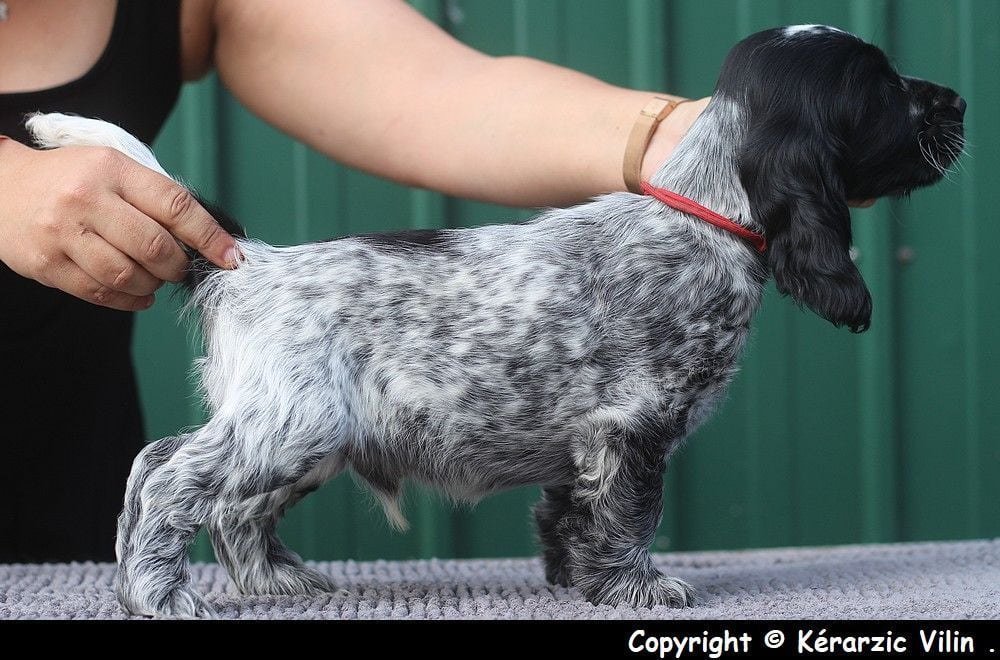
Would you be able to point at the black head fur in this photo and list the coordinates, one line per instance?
(830, 120)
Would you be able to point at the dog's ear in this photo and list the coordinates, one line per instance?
(797, 194)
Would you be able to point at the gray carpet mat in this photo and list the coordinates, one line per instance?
(915, 580)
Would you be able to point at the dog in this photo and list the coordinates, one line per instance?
(576, 351)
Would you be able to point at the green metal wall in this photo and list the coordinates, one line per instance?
(826, 437)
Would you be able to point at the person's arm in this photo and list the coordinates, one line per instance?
(377, 86)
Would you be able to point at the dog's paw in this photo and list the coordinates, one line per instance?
(558, 573)
(180, 603)
(287, 580)
(649, 589)
(186, 603)
(666, 590)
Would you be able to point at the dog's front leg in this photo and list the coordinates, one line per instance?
(616, 504)
(550, 517)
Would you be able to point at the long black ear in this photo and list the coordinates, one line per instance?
(790, 176)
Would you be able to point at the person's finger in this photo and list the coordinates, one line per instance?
(111, 268)
(143, 239)
(173, 206)
(69, 277)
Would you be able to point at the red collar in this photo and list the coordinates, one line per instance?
(692, 207)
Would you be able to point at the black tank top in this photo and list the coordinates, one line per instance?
(71, 420)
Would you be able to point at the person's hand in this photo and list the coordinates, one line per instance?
(94, 223)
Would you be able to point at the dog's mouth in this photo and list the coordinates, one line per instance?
(941, 145)
(942, 140)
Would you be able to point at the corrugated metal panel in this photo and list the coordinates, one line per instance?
(826, 437)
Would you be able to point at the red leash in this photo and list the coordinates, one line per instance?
(692, 207)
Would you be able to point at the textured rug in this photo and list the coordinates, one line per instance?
(918, 580)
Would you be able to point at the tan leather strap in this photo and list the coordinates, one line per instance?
(642, 132)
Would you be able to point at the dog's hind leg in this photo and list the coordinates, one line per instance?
(149, 459)
(212, 475)
(616, 503)
(247, 545)
(172, 489)
(550, 514)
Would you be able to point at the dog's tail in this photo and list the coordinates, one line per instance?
(53, 130)
(199, 267)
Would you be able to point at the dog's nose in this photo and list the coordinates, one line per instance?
(949, 102)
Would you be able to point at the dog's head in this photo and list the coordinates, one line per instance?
(830, 120)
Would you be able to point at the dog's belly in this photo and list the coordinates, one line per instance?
(468, 468)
